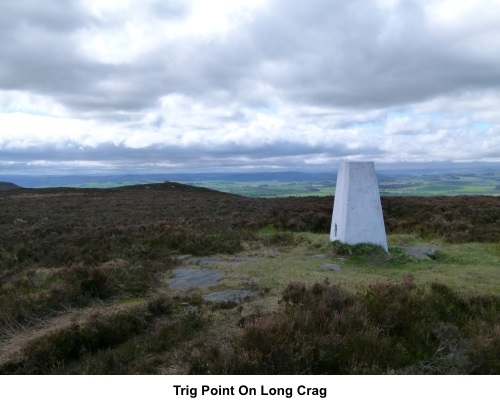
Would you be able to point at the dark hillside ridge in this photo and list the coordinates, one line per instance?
(174, 186)
(4, 185)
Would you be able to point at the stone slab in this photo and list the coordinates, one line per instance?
(230, 296)
(207, 261)
(187, 278)
(333, 267)
(421, 252)
(320, 256)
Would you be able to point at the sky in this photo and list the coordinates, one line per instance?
(132, 86)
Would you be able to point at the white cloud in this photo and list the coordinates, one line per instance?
(28, 103)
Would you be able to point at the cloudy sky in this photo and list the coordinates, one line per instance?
(199, 85)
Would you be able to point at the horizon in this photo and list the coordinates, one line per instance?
(416, 180)
(387, 167)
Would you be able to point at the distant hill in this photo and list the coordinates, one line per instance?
(172, 186)
(117, 180)
(8, 186)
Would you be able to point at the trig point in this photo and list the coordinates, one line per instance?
(357, 211)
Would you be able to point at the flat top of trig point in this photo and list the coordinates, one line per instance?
(356, 161)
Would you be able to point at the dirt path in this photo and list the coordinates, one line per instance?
(11, 346)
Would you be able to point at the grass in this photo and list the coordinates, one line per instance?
(470, 268)
(68, 252)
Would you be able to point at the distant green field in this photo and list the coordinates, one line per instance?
(416, 186)
(270, 188)
(477, 183)
(443, 185)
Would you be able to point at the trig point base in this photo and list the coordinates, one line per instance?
(357, 211)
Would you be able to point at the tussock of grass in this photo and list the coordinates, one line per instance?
(361, 253)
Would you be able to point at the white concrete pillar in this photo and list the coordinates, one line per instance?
(357, 211)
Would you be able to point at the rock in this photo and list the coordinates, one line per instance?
(213, 261)
(421, 252)
(242, 259)
(333, 267)
(229, 296)
(182, 257)
(271, 253)
(201, 261)
(321, 257)
(114, 264)
(186, 278)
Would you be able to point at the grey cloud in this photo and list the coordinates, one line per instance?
(59, 16)
(120, 155)
(336, 54)
(354, 54)
(35, 55)
(320, 52)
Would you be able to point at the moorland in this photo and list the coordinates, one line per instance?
(83, 285)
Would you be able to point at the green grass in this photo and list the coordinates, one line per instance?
(470, 268)
(269, 189)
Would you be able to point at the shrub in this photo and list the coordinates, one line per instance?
(341, 249)
(390, 328)
(144, 353)
(361, 253)
(279, 238)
